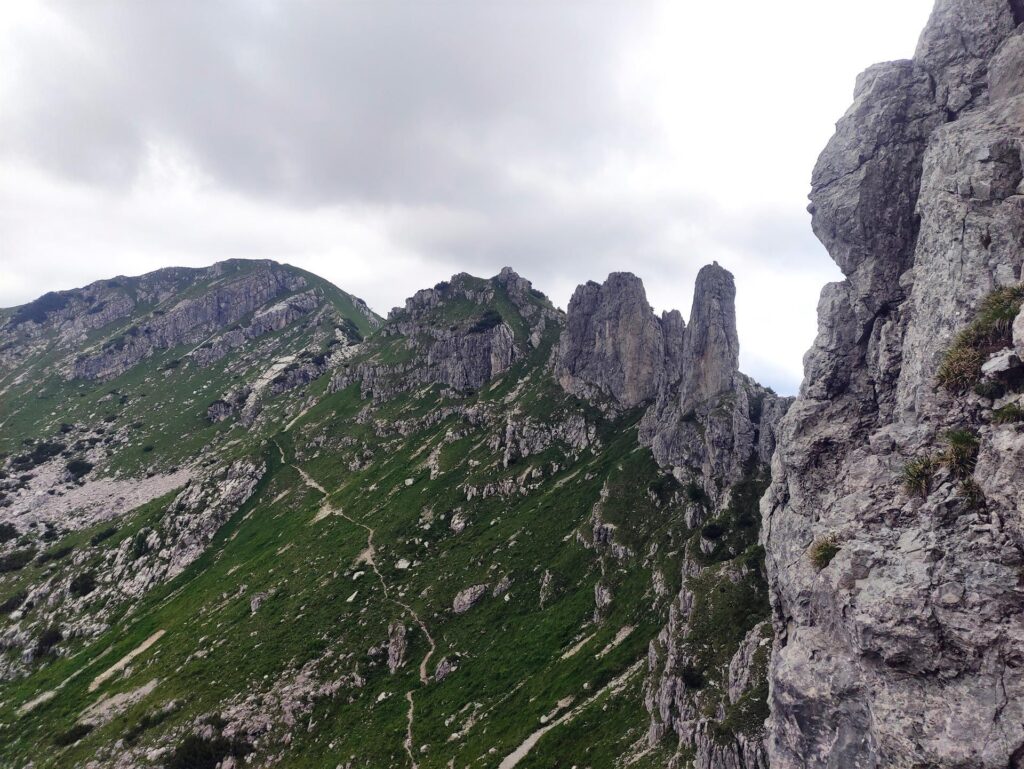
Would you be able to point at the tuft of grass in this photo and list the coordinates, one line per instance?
(990, 389)
(990, 330)
(823, 551)
(1008, 415)
(972, 494)
(961, 454)
(918, 475)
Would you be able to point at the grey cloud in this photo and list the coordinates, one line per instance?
(469, 134)
(320, 102)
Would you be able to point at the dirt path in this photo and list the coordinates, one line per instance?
(368, 556)
(408, 729)
(614, 686)
(125, 661)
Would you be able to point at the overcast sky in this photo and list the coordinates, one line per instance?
(386, 145)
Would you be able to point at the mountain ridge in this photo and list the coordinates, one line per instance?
(458, 387)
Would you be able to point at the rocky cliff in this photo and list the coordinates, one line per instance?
(894, 525)
(713, 429)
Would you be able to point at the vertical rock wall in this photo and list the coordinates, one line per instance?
(895, 557)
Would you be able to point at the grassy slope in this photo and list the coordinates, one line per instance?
(511, 667)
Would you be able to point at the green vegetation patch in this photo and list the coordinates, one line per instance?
(918, 475)
(823, 551)
(990, 331)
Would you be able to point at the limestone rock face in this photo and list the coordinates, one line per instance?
(957, 46)
(468, 598)
(1006, 70)
(453, 335)
(902, 646)
(397, 645)
(707, 417)
(711, 347)
(864, 186)
(192, 320)
(612, 344)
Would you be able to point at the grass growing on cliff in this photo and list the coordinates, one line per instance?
(961, 454)
(990, 331)
(1008, 415)
(918, 475)
(823, 551)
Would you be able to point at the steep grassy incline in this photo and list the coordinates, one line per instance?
(389, 568)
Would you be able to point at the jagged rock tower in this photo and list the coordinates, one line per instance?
(714, 429)
(893, 526)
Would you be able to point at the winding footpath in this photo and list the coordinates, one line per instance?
(368, 557)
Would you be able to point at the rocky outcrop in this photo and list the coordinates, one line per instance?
(468, 598)
(893, 555)
(612, 344)
(266, 321)
(397, 645)
(713, 429)
(460, 334)
(191, 320)
(711, 346)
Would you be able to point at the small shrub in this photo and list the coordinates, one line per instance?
(988, 388)
(47, 640)
(140, 545)
(488, 320)
(712, 531)
(14, 602)
(16, 560)
(918, 475)
(54, 555)
(961, 455)
(78, 468)
(696, 494)
(72, 735)
(1007, 415)
(990, 331)
(823, 551)
(664, 488)
(693, 678)
(100, 536)
(83, 584)
(147, 448)
(7, 532)
(195, 752)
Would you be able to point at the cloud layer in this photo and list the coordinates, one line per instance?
(387, 144)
